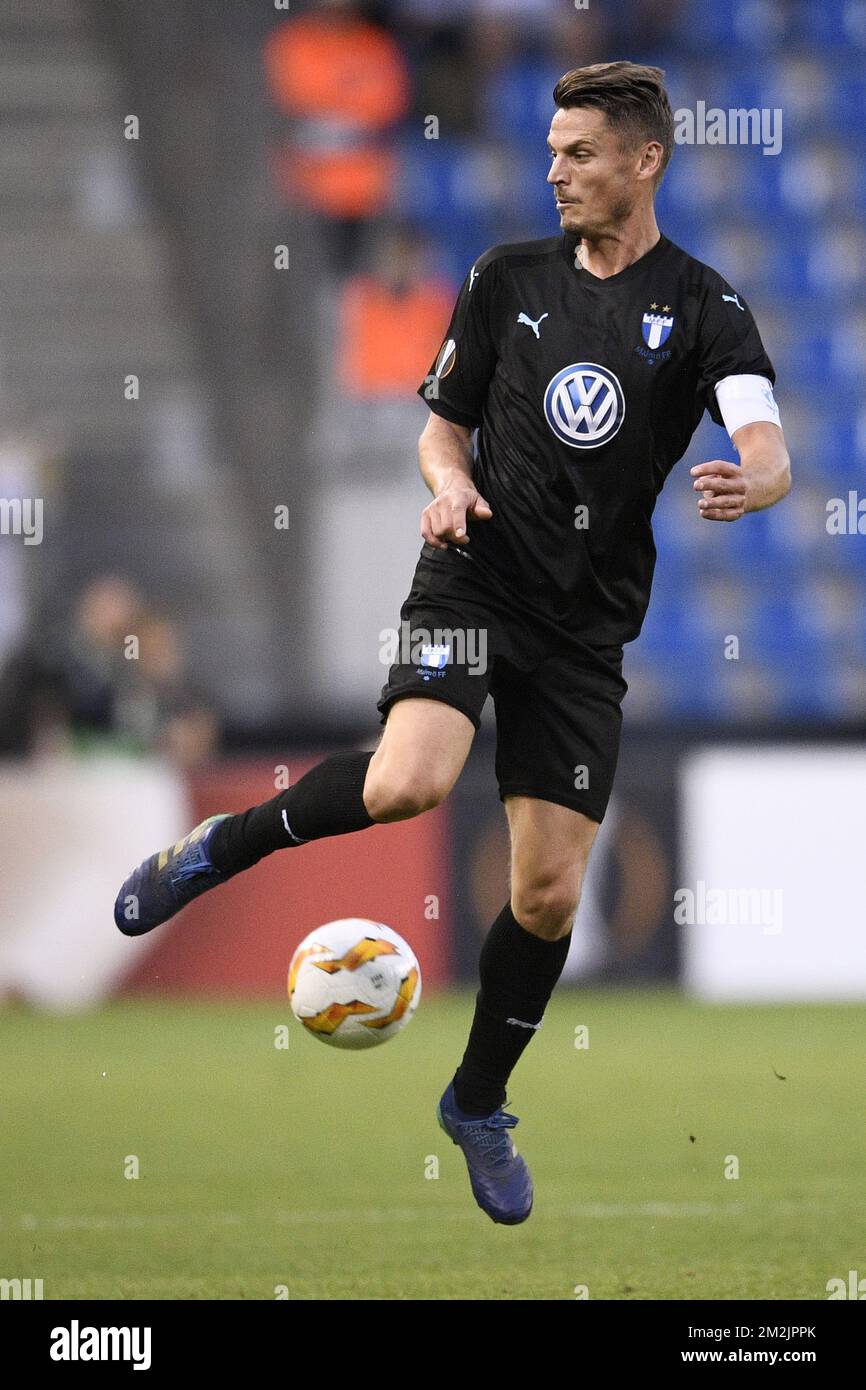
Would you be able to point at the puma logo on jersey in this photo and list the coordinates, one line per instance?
(734, 299)
(531, 323)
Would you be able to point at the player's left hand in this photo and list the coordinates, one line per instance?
(723, 489)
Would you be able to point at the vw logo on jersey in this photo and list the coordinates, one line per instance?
(657, 329)
(584, 405)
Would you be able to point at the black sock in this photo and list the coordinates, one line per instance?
(518, 972)
(328, 800)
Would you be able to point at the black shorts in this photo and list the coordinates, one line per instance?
(557, 705)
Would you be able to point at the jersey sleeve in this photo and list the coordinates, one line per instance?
(729, 344)
(456, 385)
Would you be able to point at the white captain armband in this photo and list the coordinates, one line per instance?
(745, 399)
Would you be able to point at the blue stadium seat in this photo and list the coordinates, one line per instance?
(842, 448)
(756, 25)
(836, 27)
(740, 86)
(804, 355)
(745, 213)
(519, 99)
(848, 101)
(426, 178)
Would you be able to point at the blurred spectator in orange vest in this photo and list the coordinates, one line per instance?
(344, 82)
(392, 318)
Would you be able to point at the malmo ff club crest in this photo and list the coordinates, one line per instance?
(657, 326)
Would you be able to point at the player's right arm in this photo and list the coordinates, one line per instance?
(455, 390)
(445, 459)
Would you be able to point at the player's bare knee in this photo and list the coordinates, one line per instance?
(545, 909)
(395, 796)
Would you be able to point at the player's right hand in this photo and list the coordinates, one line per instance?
(444, 519)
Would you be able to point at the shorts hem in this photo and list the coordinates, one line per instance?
(593, 812)
(385, 705)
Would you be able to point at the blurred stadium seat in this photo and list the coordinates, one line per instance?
(788, 230)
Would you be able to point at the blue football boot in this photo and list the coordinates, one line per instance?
(167, 881)
(500, 1179)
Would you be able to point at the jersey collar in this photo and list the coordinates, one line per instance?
(569, 246)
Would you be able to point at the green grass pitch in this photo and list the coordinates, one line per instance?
(307, 1170)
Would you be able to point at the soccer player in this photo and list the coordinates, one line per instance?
(574, 373)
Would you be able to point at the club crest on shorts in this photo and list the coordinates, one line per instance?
(434, 657)
(584, 405)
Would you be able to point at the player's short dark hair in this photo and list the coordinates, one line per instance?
(632, 97)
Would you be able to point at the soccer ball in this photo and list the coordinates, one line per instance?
(354, 983)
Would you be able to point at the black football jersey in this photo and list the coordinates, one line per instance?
(585, 393)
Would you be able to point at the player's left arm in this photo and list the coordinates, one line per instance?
(735, 382)
(761, 478)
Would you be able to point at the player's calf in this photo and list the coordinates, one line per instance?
(327, 800)
(418, 760)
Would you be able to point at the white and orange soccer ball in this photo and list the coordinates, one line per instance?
(354, 983)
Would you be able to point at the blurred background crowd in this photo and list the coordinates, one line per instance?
(260, 216)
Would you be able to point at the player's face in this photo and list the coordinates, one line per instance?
(595, 181)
